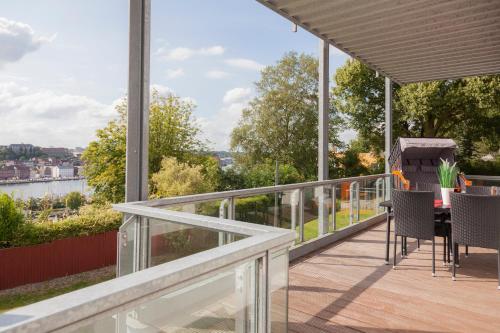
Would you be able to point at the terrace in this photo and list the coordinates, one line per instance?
(211, 263)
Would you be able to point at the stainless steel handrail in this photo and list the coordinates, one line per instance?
(249, 192)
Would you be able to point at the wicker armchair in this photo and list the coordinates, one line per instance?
(436, 188)
(414, 217)
(475, 221)
(480, 190)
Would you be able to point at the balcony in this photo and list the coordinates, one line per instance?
(182, 271)
(220, 262)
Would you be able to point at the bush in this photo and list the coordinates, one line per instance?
(74, 200)
(11, 218)
(91, 220)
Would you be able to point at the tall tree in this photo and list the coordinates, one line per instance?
(173, 133)
(281, 123)
(467, 110)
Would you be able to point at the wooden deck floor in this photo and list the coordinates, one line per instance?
(347, 288)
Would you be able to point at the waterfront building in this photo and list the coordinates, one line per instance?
(63, 171)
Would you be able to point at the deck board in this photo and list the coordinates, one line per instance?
(347, 288)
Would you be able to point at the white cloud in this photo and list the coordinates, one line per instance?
(46, 118)
(184, 53)
(214, 50)
(180, 53)
(236, 95)
(217, 128)
(175, 73)
(161, 90)
(216, 74)
(17, 39)
(245, 64)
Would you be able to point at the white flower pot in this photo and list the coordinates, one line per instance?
(445, 194)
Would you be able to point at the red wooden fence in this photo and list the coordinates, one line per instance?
(37, 263)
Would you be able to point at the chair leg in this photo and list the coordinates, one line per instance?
(395, 246)
(418, 244)
(402, 247)
(466, 251)
(498, 257)
(406, 246)
(453, 269)
(444, 250)
(449, 249)
(433, 256)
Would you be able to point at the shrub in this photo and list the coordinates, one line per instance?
(11, 218)
(74, 200)
(91, 220)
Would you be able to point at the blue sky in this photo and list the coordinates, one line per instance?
(63, 64)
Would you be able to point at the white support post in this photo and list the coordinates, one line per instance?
(324, 106)
(138, 101)
(388, 131)
(136, 175)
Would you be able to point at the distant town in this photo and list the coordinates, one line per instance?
(26, 162)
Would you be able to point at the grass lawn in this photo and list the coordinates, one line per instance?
(14, 300)
(311, 227)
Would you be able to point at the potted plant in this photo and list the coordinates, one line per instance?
(447, 174)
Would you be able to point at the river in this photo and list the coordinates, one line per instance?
(40, 189)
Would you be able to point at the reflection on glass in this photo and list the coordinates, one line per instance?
(278, 282)
(225, 302)
(170, 241)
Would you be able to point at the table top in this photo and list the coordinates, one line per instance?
(438, 206)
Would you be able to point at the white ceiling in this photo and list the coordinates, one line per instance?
(406, 40)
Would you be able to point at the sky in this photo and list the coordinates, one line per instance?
(63, 63)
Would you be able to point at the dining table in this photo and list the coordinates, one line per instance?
(439, 209)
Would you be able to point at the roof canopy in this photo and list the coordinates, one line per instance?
(408, 41)
(407, 143)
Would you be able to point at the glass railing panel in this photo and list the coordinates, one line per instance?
(278, 282)
(368, 206)
(311, 204)
(126, 241)
(224, 302)
(170, 241)
(343, 205)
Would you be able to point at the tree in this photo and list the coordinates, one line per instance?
(74, 200)
(281, 123)
(467, 110)
(263, 174)
(178, 178)
(11, 218)
(173, 133)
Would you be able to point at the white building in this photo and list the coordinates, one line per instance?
(63, 171)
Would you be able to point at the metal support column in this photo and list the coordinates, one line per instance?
(324, 106)
(138, 101)
(136, 179)
(388, 131)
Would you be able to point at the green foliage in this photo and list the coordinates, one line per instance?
(74, 200)
(281, 123)
(466, 110)
(447, 174)
(231, 179)
(91, 220)
(264, 175)
(173, 133)
(480, 167)
(11, 218)
(177, 178)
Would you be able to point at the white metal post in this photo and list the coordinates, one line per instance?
(138, 101)
(324, 106)
(388, 131)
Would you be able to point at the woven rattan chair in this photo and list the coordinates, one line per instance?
(480, 190)
(414, 217)
(475, 221)
(436, 188)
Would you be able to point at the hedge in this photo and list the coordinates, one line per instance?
(90, 221)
